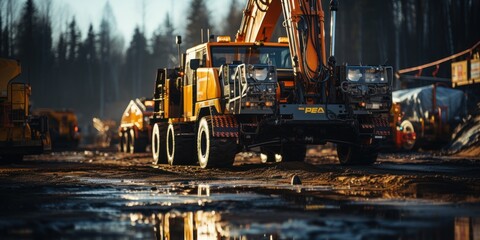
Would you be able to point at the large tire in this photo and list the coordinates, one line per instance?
(356, 155)
(135, 143)
(123, 142)
(131, 141)
(214, 151)
(180, 149)
(294, 153)
(126, 141)
(159, 147)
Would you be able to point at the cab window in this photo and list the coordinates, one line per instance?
(199, 54)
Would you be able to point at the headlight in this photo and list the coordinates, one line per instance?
(374, 75)
(261, 73)
(354, 75)
(367, 74)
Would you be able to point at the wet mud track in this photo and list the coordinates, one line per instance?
(117, 196)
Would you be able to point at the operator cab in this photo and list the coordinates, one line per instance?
(216, 54)
(278, 56)
(259, 59)
(241, 67)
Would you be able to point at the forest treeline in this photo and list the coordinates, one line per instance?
(91, 72)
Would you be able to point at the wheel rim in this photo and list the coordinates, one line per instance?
(132, 141)
(408, 132)
(409, 142)
(170, 144)
(156, 143)
(203, 143)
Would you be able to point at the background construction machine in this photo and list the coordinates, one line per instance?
(426, 116)
(426, 113)
(135, 129)
(20, 132)
(228, 96)
(63, 127)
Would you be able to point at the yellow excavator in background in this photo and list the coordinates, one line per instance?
(135, 129)
(21, 133)
(277, 97)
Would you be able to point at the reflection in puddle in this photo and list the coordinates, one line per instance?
(467, 228)
(242, 210)
(228, 213)
(210, 225)
(206, 225)
(189, 225)
(203, 190)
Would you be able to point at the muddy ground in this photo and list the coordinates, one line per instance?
(98, 194)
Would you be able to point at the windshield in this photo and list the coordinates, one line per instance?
(276, 56)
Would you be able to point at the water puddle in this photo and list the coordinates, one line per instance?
(237, 209)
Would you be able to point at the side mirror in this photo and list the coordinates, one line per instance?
(194, 64)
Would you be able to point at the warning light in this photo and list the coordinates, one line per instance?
(288, 84)
(223, 39)
(149, 103)
(282, 40)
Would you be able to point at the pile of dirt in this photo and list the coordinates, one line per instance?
(466, 137)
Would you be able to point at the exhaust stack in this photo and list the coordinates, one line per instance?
(178, 41)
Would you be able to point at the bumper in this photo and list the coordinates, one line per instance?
(320, 123)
